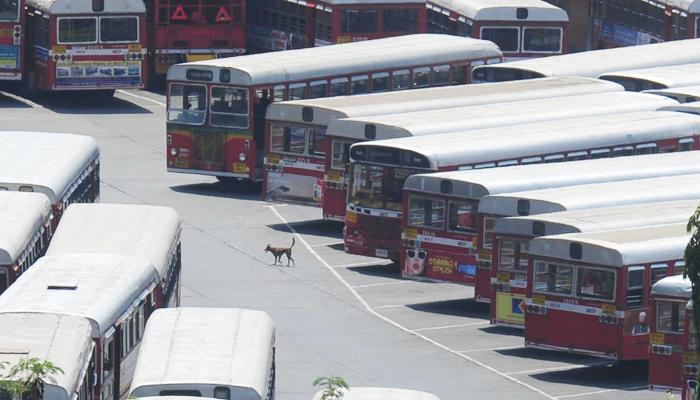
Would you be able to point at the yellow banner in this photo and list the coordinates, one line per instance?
(350, 216)
(656, 338)
(199, 57)
(510, 307)
(410, 233)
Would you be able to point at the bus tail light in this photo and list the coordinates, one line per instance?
(536, 309)
(661, 350)
(608, 319)
(691, 370)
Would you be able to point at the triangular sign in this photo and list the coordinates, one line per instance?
(222, 15)
(179, 14)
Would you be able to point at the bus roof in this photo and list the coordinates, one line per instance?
(477, 183)
(691, 6)
(22, 215)
(664, 77)
(381, 393)
(341, 59)
(486, 145)
(596, 62)
(326, 109)
(597, 219)
(683, 94)
(344, 2)
(616, 248)
(98, 287)
(148, 232)
(75, 7)
(594, 195)
(48, 162)
(229, 346)
(495, 115)
(673, 286)
(690, 108)
(62, 339)
(503, 10)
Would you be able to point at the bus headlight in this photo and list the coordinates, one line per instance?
(173, 151)
(242, 157)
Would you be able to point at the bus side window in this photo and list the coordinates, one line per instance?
(421, 77)
(339, 87)
(678, 267)
(531, 160)
(400, 80)
(280, 93)
(441, 75)
(458, 74)
(552, 158)
(380, 82)
(360, 84)
(318, 89)
(658, 272)
(646, 148)
(297, 91)
(600, 153)
(623, 151)
(635, 287)
(577, 155)
(685, 144)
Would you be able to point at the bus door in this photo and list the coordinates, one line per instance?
(263, 98)
(4, 278)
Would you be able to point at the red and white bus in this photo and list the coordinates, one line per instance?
(93, 45)
(151, 233)
(25, 231)
(512, 235)
(12, 40)
(669, 357)
(115, 294)
(181, 31)
(64, 167)
(590, 291)
(690, 358)
(685, 94)
(65, 340)
(286, 24)
(656, 78)
(379, 169)
(636, 22)
(521, 28)
(593, 63)
(314, 185)
(216, 108)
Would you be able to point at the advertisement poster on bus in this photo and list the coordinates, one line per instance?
(509, 308)
(294, 188)
(98, 73)
(9, 57)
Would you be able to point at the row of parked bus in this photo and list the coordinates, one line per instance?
(103, 45)
(568, 251)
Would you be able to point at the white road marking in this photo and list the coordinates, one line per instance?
(124, 92)
(327, 244)
(21, 99)
(434, 328)
(372, 311)
(389, 306)
(568, 396)
(362, 264)
(381, 284)
(560, 368)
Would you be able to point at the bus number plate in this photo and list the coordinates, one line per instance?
(240, 168)
(382, 253)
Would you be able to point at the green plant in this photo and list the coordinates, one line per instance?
(333, 385)
(692, 271)
(28, 376)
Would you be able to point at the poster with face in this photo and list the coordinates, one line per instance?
(636, 323)
(415, 263)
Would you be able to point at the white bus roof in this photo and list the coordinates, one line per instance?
(486, 145)
(691, 6)
(345, 2)
(597, 219)
(227, 347)
(616, 248)
(48, 162)
(668, 76)
(504, 10)
(75, 7)
(596, 62)
(341, 59)
(684, 94)
(673, 286)
(495, 115)
(690, 108)
(148, 232)
(326, 109)
(62, 339)
(22, 216)
(100, 288)
(380, 393)
(477, 183)
(595, 195)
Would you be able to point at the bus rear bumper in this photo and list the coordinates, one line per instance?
(209, 173)
(593, 353)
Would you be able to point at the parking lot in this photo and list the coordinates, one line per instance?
(335, 313)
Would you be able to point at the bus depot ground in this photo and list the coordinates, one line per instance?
(335, 313)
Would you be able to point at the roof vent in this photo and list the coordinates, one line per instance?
(521, 13)
(523, 207)
(62, 286)
(538, 228)
(370, 131)
(575, 251)
(307, 114)
(445, 186)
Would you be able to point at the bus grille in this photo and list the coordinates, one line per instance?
(210, 147)
(379, 228)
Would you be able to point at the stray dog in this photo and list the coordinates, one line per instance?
(279, 251)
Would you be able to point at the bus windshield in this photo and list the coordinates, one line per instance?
(9, 10)
(188, 104)
(542, 40)
(379, 187)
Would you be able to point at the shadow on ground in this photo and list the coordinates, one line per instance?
(241, 190)
(316, 227)
(86, 103)
(460, 308)
(631, 376)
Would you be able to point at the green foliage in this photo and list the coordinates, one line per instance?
(692, 270)
(28, 376)
(333, 385)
